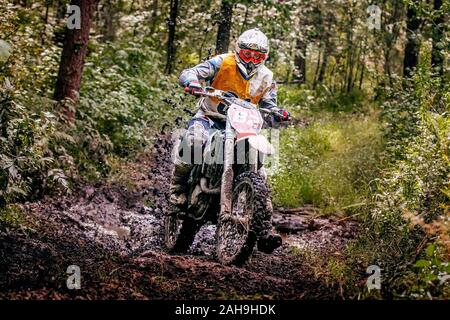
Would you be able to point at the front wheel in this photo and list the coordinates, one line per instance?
(237, 233)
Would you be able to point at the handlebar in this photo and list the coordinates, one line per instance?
(211, 92)
(220, 94)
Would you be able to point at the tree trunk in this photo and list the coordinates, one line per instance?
(224, 30)
(332, 73)
(390, 36)
(300, 61)
(412, 46)
(319, 59)
(73, 55)
(110, 20)
(154, 16)
(437, 55)
(363, 65)
(324, 65)
(47, 7)
(387, 64)
(350, 63)
(244, 24)
(361, 77)
(171, 49)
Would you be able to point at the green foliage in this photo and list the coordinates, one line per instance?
(395, 170)
(431, 275)
(124, 96)
(330, 162)
(124, 100)
(27, 160)
(33, 62)
(411, 200)
(322, 99)
(11, 216)
(343, 102)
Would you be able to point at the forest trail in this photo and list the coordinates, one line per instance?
(114, 233)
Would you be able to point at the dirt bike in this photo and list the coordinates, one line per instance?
(226, 187)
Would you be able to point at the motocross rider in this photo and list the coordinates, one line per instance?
(244, 74)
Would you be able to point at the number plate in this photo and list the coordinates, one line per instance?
(245, 121)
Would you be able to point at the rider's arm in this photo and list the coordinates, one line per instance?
(269, 99)
(203, 72)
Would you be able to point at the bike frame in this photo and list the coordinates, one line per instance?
(233, 134)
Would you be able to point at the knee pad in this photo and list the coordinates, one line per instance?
(196, 135)
(192, 145)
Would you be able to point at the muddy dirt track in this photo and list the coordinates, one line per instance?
(114, 233)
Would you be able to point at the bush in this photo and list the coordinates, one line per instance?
(329, 163)
(28, 162)
(125, 97)
(411, 205)
(322, 99)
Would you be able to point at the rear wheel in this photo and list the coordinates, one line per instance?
(179, 233)
(237, 233)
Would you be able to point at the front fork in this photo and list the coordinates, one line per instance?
(227, 175)
(226, 189)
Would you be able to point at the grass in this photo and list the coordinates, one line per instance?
(330, 162)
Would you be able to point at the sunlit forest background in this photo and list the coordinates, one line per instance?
(369, 141)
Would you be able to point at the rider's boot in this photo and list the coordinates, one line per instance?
(269, 242)
(178, 184)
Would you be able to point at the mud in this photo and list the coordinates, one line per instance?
(114, 233)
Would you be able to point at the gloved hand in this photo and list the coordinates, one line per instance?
(193, 87)
(282, 115)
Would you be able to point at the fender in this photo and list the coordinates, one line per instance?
(260, 143)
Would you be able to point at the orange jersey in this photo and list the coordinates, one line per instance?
(222, 72)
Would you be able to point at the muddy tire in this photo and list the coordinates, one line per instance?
(179, 234)
(237, 234)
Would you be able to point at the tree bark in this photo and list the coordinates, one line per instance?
(437, 56)
(172, 25)
(73, 55)
(224, 30)
(412, 46)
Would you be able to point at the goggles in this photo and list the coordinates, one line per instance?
(252, 56)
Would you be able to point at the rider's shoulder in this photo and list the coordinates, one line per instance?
(265, 73)
(216, 61)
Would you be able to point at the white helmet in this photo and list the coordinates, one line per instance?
(252, 50)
